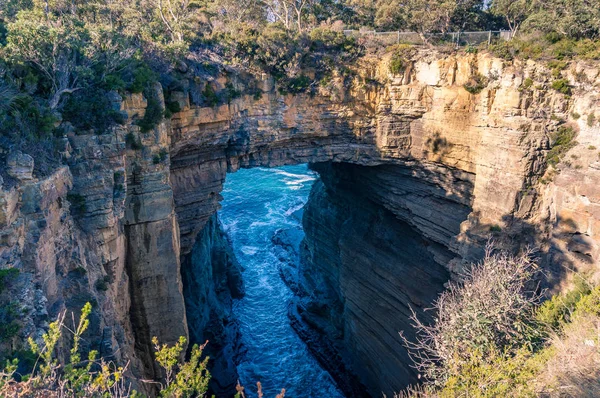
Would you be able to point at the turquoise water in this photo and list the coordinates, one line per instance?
(257, 203)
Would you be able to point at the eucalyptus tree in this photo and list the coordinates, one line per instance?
(515, 12)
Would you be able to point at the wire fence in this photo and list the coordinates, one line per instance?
(454, 38)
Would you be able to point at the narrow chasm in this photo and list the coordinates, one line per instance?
(262, 216)
(306, 276)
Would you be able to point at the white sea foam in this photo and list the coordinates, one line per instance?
(249, 250)
(294, 209)
(299, 180)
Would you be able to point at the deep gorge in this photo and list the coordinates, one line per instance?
(416, 174)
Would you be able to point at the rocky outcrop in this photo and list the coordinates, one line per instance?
(441, 168)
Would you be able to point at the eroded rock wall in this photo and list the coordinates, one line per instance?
(362, 273)
(212, 278)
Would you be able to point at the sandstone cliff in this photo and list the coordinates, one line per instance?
(424, 173)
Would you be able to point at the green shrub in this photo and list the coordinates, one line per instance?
(490, 312)
(210, 96)
(6, 275)
(589, 304)
(295, 85)
(160, 157)
(396, 64)
(133, 142)
(476, 84)
(575, 115)
(231, 92)
(591, 120)
(172, 107)
(527, 83)
(91, 376)
(77, 202)
(558, 310)
(9, 316)
(143, 77)
(182, 379)
(153, 116)
(103, 283)
(114, 82)
(495, 228)
(562, 141)
(562, 86)
(470, 49)
(91, 110)
(401, 55)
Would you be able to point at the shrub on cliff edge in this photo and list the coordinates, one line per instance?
(488, 314)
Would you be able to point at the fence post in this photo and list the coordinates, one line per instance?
(398, 37)
(458, 39)
(489, 38)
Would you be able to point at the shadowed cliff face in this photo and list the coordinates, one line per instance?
(364, 270)
(442, 168)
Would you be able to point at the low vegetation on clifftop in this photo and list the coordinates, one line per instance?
(63, 64)
(492, 336)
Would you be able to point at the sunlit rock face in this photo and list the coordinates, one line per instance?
(449, 168)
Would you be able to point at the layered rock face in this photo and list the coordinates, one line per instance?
(362, 273)
(212, 279)
(437, 171)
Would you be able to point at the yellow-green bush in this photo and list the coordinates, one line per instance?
(564, 363)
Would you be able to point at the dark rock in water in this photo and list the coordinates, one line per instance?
(322, 349)
(288, 243)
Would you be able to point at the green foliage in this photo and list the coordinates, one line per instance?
(527, 83)
(562, 141)
(133, 142)
(102, 284)
(153, 116)
(9, 317)
(591, 119)
(160, 157)
(171, 108)
(476, 84)
(471, 49)
(209, 95)
(93, 377)
(182, 379)
(540, 49)
(401, 54)
(91, 110)
(143, 77)
(559, 309)
(295, 85)
(589, 304)
(77, 202)
(495, 228)
(490, 313)
(496, 375)
(6, 275)
(558, 360)
(231, 92)
(562, 86)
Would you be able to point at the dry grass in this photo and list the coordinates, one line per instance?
(574, 368)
